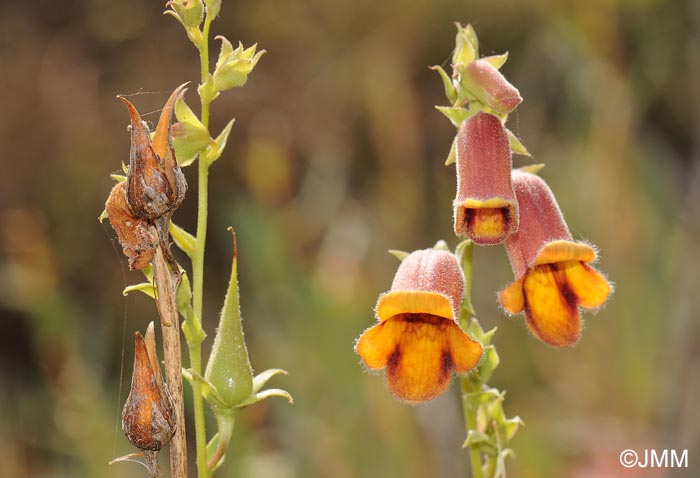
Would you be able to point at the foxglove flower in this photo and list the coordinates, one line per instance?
(485, 209)
(553, 278)
(418, 340)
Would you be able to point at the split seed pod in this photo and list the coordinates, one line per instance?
(134, 234)
(155, 183)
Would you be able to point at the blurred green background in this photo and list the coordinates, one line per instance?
(335, 157)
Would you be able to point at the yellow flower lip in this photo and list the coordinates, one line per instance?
(419, 352)
(551, 295)
(399, 302)
(563, 250)
(487, 222)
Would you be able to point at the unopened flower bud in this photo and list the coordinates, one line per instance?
(148, 417)
(234, 66)
(155, 183)
(490, 87)
(229, 367)
(191, 12)
(485, 207)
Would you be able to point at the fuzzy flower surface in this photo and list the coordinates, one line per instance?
(485, 209)
(553, 276)
(418, 340)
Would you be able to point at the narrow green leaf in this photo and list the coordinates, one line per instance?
(189, 134)
(475, 437)
(183, 239)
(452, 155)
(191, 326)
(516, 146)
(511, 426)
(270, 392)
(450, 90)
(532, 168)
(216, 149)
(145, 287)
(497, 60)
(441, 245)
(400, 255)
(226, 51)
(466, 46)
(209, 390)
(456, 114)
(471, 37)
(208, 91)
(262, 378)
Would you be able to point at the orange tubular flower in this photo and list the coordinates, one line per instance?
(552, 275)
(485, 207)
(418, 339)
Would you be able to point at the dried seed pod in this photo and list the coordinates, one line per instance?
(148, 417)
(134, 234)
(155, 183)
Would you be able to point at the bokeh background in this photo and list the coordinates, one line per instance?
(336, 156)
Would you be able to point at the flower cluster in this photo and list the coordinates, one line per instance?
(418, 339)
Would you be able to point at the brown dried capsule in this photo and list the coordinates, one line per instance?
(148, 417)
(134, 234)
(155, 183)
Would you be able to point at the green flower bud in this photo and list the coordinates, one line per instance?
(466, 46)
(234, 66)
(228, 369)
(191, 12)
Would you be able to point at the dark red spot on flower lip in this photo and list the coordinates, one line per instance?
(570, 298)
(446, 364)
(394, 359)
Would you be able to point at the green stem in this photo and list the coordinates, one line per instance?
(470, 424)
(468, 387)
(198, 270)
(198, 406)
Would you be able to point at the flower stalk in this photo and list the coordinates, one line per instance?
(140, 208)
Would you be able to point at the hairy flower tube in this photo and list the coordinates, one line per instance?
(553, 278)
(485, 209)
(418, 340)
